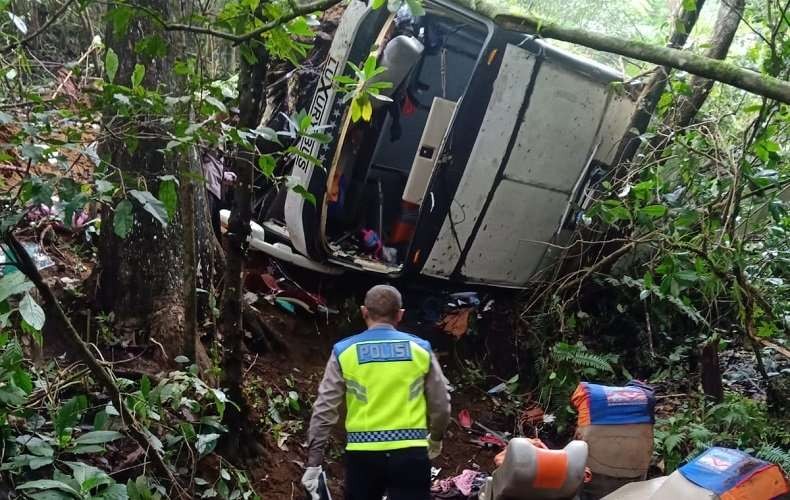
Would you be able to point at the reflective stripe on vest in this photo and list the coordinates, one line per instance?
(384, 370)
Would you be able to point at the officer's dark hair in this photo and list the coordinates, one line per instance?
(383, 303)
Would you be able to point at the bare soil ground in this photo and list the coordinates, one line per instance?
(309, 343)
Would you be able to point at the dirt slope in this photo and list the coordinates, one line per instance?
(309, 343)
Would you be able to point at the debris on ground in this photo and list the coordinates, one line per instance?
(464, 485)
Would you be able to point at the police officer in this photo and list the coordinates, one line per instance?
(397, 407)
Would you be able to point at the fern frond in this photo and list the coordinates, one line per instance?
(774, 454)
(579, 357)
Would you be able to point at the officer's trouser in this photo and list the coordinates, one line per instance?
(400, 474)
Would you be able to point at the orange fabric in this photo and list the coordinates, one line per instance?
(581, 400)
(456, 323)
(402, 232)
(334, 189)
(551, 469)
(404, 226)
(763, 485)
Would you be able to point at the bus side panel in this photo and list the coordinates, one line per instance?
(618, 117)
(357, 30)
(553, 145)
(487, 154)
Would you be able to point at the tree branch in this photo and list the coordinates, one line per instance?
(54, 17)
(706, 67)
(303, 10)
(239, 39)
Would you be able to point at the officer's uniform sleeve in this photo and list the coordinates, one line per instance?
(325, 411)
(437, 395)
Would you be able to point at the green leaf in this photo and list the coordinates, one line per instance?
(416, 8)
(216, 103)
(145, 386)
(169, 197)
(152, 46)
(653, 211)
(356, 111)
(87, 449)
(123, 220)
(267, 163)
(367, 110)
(300, 27)
(370, 66)
(671, 442)
(13, 284)
(31, 312)
(688, 276)
(137, 75)
(377, 4)
(68, 415)
(301, 154)
(49, 484)
(690, 5)
(110, 64)
(98, 437)
(151, 205)
(115, 492)
(618, 213)
(103, 186)
(304, 193)
(36, 463)
(23, 380)
(119, 17)
(206, 443)
(36, 446)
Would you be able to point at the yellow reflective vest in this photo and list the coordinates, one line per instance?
(384, 372)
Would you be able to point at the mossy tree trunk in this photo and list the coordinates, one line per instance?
(141, 279)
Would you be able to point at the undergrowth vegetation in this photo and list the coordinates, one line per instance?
(59, 431)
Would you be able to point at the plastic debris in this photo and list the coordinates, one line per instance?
(465, 419)
(287, 306)
(37, 254)
(497, 388)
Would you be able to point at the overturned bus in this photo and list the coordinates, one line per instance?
(482, 158)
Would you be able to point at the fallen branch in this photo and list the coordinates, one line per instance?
(26, 266)
(695, 64)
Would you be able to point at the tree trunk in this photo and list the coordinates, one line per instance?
(200, 262)
(727, 22)
(711, 371)
(251, 102)
(654, 88)
(141, 279)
